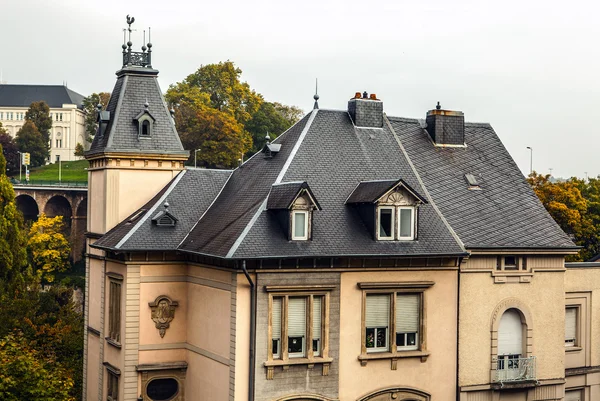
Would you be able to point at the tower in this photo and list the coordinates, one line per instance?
(136, 151)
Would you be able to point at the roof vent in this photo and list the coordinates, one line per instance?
(164, 218)
(270, 149)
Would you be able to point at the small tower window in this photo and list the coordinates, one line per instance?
(145, 128)
(300, 225)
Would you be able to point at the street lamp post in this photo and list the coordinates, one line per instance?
(20, 165)
(530, 159)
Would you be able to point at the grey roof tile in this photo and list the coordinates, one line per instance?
(23, 95)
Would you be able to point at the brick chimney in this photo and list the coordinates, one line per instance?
(446, 127)
(366, 111)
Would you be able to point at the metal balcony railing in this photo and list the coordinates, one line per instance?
(511, 369)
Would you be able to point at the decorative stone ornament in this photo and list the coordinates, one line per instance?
(163, 312)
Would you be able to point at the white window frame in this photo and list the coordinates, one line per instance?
(412, 223)
(294, 236)
(393, 225)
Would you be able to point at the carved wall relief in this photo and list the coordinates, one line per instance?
(163, 313)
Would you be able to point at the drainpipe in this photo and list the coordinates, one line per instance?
(458, 329)
(252, 332)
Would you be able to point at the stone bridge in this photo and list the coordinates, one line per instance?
(57, 200)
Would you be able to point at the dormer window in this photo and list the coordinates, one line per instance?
(390, 207)
(145, 122)
(293, 204)
(164, 218)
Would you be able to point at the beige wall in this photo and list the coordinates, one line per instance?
(242, 338)
(481, 296)
(70, 129)
(437, 375)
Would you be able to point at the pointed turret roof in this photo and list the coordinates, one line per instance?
(136, 91)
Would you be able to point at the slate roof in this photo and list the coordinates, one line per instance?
(333, 157)
(189, 194)
(23, 95)
(134, 87)
(283, 195)
(504, 213)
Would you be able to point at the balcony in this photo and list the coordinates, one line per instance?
(513, 370)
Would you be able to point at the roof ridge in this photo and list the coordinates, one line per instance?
(151, 210)
(280, 176)
(418, 177)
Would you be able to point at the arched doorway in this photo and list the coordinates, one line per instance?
(28, 207)
(396, 394)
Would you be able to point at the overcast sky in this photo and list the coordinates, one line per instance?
(530, 68)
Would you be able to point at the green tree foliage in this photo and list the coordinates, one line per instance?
(576, 215)
(48, 247)
(39, 115)
(30, 140)
(271, 118)
(90, 107)
(41, 335)
(28, 374)
(10, 150)
(79, 150)
(216, 112)
(13, 257)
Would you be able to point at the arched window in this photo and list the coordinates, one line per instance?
(510, 334)
(146, 128)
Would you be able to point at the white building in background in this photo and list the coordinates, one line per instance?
(66, 110)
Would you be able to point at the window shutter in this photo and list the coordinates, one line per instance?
(276, 324)
(317, 301)
(407, 313)
(510, 334)
(377, 311)
(297, 317)
(573, 395)
(570, 323)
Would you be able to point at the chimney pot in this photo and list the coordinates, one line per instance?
(365, 95)
(373, 96)
(357, 95)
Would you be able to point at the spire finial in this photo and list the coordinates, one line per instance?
(316, 96)
(268, 138)
(146, 105)
(166, 205)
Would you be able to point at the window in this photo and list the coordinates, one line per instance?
(114, 309)
(298, 327)
(296, 323)
(392, 321)
(112, 393)
(59, 143)
(388, 230)
(300, 225)
(377, 322)
(511, 263)
(145, 128)
(571, 318)
(574, 395)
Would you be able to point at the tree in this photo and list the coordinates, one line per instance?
(30, 140)
(11, 153)
(225, 92)
(567, 206)
(48, 247)
(13, 257)
(271, 118)
(39, 115)
(90, 108)
(28, 374)
(79, 150)
(220, 138)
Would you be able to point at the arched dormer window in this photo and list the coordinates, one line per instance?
(145, 122)
(389, 207)
(293, 204)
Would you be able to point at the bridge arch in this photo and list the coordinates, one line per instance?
(28, 207)
(58, 205)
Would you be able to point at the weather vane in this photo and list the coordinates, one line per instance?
(130, 20)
